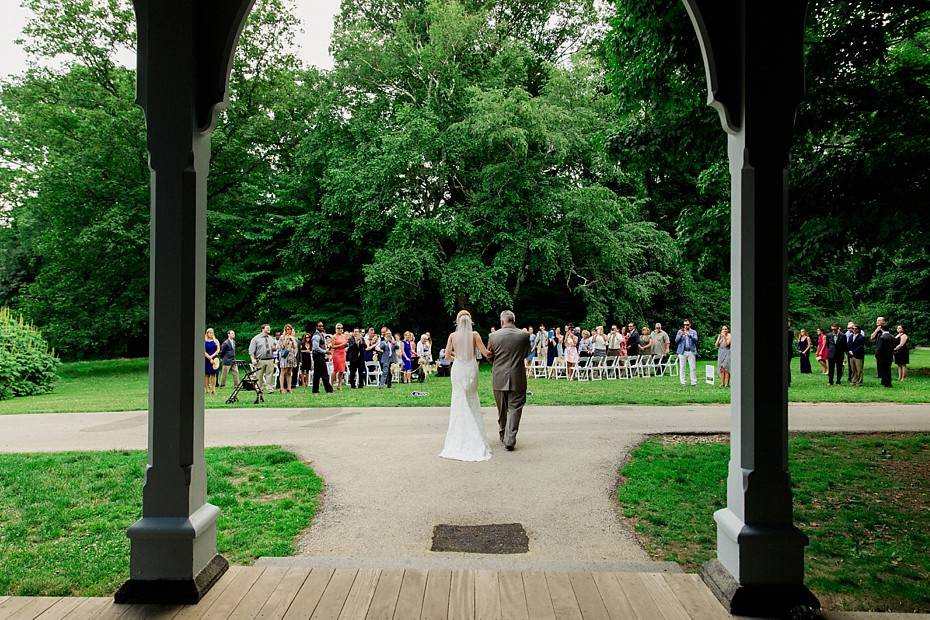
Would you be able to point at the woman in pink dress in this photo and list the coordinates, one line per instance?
(338, 345)
(571, 353)
(822, 349)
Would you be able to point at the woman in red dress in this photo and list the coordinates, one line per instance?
(338, 345)
(822, 349)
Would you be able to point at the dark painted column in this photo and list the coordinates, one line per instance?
(185, 49)
(753, 52)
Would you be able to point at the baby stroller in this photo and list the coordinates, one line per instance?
(247, 383)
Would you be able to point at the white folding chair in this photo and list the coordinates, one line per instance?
(538, 368)
(649, 367)
(632, 366)
(660, 365)
(671, 365)
(372, 373)
(597, 368)
(610, 367)
(583, 369)
(559, 369)
(623, 367)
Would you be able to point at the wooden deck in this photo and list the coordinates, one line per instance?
(291, 593)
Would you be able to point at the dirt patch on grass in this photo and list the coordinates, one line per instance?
(692, 439)
(272, 497)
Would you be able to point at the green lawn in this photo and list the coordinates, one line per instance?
(122, 385)
(864, 500)
(63, 517)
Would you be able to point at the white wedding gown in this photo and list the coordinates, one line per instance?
(466, 439)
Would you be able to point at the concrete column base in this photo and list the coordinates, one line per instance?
(173, 560)
(170, 591)
(794, 601)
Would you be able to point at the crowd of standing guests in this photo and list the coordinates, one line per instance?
(833, 349)
(624, 342)
(333, 360)
(283, 362)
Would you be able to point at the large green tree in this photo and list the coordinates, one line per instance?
(859, 177)
(477, 174)
(75, 180)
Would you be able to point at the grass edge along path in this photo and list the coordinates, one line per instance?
(864, 501)
(122, 385)
(63, 516)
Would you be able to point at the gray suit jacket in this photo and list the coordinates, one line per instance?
(510, 347)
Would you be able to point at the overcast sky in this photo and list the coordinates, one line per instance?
(316, 15)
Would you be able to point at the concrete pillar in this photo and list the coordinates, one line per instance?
(753, 52)
(185, 49)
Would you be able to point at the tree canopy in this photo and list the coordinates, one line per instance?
(544, 155)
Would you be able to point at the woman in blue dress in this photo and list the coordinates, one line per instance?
(407, 357)
(211, 365)
(532, 354)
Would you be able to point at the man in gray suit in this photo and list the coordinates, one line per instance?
(509, 347)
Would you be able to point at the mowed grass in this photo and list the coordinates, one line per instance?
(63, 516)
(864, 501)
(122, 385)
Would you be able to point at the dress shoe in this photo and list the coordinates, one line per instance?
(510, 448)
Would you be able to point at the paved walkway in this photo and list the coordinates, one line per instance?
(386, 488)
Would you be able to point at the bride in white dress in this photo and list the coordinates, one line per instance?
(466, 439)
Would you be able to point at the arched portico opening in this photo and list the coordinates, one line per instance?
(753, 53)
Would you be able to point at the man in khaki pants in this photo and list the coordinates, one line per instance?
(261, 350)
(856, 355)
(509, 346)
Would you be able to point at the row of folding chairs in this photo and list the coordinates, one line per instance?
(610, 367)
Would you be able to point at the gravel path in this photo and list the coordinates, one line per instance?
(387, 489)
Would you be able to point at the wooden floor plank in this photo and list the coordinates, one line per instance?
(334, 597)
(588, 597)
(282, 596)
(436, 597)
(563, 596)
(61, 609)
(259, 593)
(410, 599)
(538, 602)
(34, 606)
(618, 607)
(695, 597)
(237, 590)
(663, 596)
(151, 612)
(197, 611)
(309, 595)
(359, 599)
(462, 595)
(90, 609)
(487, 595)
(11, 605)
(384, 602)
(513, 596)
(76, 612)
(643, 606)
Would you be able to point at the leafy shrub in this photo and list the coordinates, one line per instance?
(26, 365)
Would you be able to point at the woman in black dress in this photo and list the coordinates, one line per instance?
(306, 359)
(804, 346)
(902, 356)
